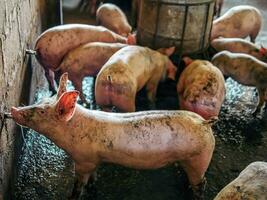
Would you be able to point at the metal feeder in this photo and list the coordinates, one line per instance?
(185, 24)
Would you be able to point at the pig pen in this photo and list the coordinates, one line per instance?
(46, 172)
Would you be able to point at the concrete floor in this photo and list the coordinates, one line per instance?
(46, 172)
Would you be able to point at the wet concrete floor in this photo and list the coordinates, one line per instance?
(46, 172)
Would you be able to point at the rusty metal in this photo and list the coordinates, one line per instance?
(151, 24)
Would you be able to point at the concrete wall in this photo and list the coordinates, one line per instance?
(21, 21)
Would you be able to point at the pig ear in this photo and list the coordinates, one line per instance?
(62, 84)
(263, 51)
(187, 61)
(66, 105)
(167, 51)
(131, 39)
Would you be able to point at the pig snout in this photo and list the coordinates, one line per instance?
(18, 115)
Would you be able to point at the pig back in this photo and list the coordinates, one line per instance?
(155, 137)
(54, 43)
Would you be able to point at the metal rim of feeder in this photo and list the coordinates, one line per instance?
(160, 3)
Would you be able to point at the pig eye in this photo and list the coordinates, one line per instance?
(41, 112)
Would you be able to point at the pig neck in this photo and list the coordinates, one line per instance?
(119, 38)
(66, 135)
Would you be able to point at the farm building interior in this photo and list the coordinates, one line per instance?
(148, 155)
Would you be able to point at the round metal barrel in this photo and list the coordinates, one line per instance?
(185, 24)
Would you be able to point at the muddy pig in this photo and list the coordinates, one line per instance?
(250, 184)
(52, 45)
(246, 70)
(201, 88)
(87, 60)
(113, 18)
(238, 45)
(127, 72)
(239, 21)
(141, 140)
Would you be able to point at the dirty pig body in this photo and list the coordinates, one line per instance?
(87, 60)
(201, 89)
(238, 45)
(52, 45)
(141, 140)
(250, 184)
(239, 21)
(113, 18)
(246, 70)
(128, 71)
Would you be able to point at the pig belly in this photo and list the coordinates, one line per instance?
(206, 111)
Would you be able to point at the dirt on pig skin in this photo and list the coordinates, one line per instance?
(46, 172)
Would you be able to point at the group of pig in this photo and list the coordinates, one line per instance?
(201, 86)
(148, 139)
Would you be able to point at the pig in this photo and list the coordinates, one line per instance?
(87, 60)
(238, 45)
(246, 70)
(250, 184)
(201, 88)
(52, 45)
(140, 140)
(127, 72)
(113, 18)
(218, 7)
(239, 21)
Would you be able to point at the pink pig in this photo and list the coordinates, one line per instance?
(238, 45)
(141, 140)
(246, 70)
(52, 45)
(239, 21)
(201, 88)
(113, 18)
(127, 72)
(87, 60)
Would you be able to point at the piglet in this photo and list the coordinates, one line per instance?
(113, 18)
(201, 88)
(87, 60)
(239, 21)
(141, 140)
(238, 45)
(52, 45)
(250, 184)
(246, 70)
(127, 72)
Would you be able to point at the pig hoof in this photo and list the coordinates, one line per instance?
(199, 190)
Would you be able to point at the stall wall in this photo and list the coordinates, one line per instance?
(21, 21)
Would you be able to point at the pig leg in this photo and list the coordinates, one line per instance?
(77, 83)
(82, 175)
(195, 168)
(49, 74)
(151, 88)
(253, 35)
(261, 99)
(80, 182)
